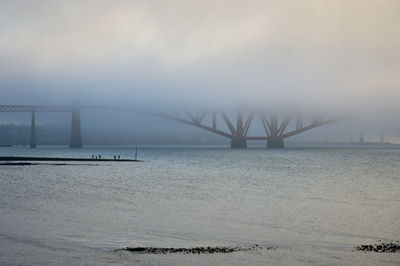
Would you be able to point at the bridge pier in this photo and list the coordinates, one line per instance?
(275, 143)
(238, 143)
(76, 140)
(33, 131)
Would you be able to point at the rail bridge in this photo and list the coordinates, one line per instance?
(76, 138)
(276, 130)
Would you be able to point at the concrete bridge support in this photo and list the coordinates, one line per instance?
(238, 143)
(275, 143)
(76, 140)
(33, 131)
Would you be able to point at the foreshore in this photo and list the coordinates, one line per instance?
(58, 159)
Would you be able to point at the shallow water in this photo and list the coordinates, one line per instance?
(315, 204)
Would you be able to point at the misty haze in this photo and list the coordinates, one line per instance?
(200, 132)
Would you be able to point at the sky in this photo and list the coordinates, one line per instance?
(338, 56)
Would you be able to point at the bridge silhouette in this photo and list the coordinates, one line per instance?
(275, 129)
(76, 138)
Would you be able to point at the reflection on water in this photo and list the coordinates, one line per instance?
(315, 204)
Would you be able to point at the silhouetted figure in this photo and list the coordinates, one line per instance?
(115, 157)
(92, 156)
(99, 156)
(119, 157)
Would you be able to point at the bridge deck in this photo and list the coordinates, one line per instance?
(35, 108)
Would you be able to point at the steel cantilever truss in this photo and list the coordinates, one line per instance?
(275, 131)
(241, 129)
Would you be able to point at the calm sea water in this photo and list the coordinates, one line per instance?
(315, 204)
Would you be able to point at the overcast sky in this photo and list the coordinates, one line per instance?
(340, 55)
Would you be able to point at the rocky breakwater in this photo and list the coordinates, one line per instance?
(193, 250)
(390, 247)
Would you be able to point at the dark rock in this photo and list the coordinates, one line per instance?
(194, 250)
(380, 248)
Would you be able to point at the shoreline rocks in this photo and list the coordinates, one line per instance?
(193, 250)
(380, 247)
(30, 164)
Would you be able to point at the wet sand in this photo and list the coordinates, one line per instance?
(29, 163)
(18, 158)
